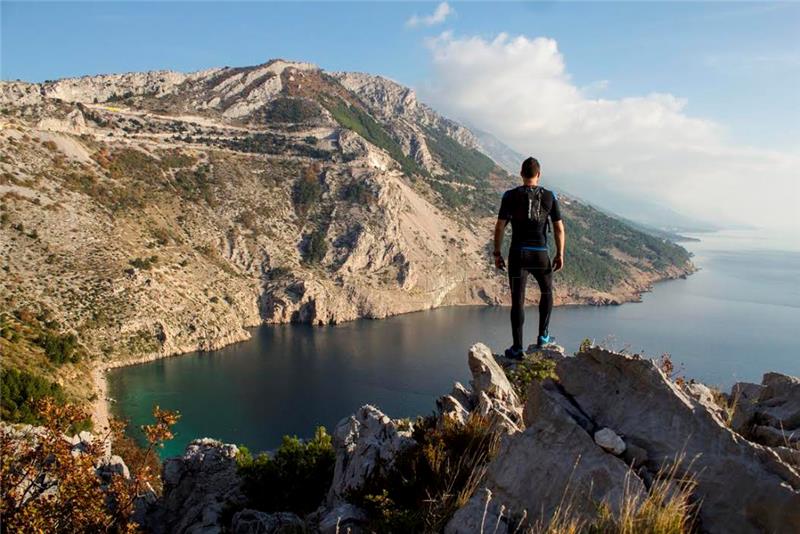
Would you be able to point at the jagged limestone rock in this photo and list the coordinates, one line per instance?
(463, 395)
(779, 403)
(366, 445)
(199, 487)
(705, 396)
(113, 465)
(452, 409)
(552, 461)
(489, 377)
(634, 397)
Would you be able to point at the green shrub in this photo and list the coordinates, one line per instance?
(20, 391)
(144, 264)
(354, 118)
(133, 164)
(290, 110)
(467, 163)
(296, 478)
(276, 273)
(267, 143)
(161, 235)
(175, 159)
(317, 247)
(431, 479)
(528, 370)
(358, 192)
(59, 348)
(196, 184)
(307, 189)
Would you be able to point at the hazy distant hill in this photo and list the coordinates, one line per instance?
(160, 212)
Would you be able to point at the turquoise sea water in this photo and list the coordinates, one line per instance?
(733, 320)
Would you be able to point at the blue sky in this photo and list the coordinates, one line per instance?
(736, 64)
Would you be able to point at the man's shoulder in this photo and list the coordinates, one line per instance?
(550, 193)
(511, 192)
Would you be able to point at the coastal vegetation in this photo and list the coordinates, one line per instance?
(295, 478)
(356, 119)
(432, 478)
(54, 484)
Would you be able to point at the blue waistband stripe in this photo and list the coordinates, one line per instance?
(533, 248)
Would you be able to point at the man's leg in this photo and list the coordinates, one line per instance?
(517, 278)
(543, 273)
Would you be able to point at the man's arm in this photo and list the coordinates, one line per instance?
(499, 231)
(560, 237)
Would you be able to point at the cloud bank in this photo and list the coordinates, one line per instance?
(646, 146)
(441, 13)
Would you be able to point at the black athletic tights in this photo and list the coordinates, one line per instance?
(534, 260)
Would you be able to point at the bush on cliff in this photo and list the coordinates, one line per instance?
(433, 479)
(294, 479)
(20, 392)
(529, 370)
(50, 484)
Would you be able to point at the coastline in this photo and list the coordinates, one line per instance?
(100, 410)
(100, 413)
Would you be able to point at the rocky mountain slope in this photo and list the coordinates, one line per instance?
(156, 213)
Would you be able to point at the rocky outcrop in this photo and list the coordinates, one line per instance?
(199, 488)
(633, 396)
(553, 463)
(366, 445)
(603, 432)
(494, 396)
(769, 413)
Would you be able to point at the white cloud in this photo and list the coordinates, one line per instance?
(439, 15)
(519, 89)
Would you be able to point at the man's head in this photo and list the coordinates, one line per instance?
(530, 171)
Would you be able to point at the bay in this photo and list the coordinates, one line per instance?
(733, 320)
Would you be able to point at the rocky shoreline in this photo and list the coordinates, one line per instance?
(99, 409)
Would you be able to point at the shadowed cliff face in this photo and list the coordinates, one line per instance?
(157, 213)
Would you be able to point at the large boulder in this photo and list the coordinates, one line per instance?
(494, 396)
(743, 487)
(552, 463)
(779, 401)
(488, 376)
(198, 489)
(366, 445)
(769, 413)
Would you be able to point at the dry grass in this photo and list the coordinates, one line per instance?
(667, 508)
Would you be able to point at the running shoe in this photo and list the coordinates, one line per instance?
(514, 354)
(543, 341)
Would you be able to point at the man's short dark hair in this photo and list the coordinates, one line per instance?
(530, 168)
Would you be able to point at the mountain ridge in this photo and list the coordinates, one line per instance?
(157, 213)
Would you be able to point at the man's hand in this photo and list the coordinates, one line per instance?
(499, 262)
(558, 262)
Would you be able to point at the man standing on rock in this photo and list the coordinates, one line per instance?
(530, 208)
